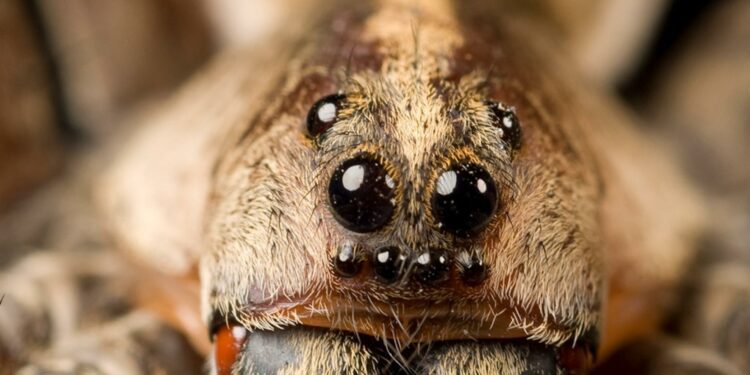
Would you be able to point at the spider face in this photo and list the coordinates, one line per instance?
(388, 186)
(409, 194)
(412, 215)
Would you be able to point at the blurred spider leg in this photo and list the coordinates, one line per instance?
(717, 314)
(662, 355)
(137, 343)
(48, 296)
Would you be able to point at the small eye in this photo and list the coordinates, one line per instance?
(323, 114)
(507, 123)
(347, 262)
(473, 269)
(361, 194)
(464, 200)
(388, 262)
(432, 266)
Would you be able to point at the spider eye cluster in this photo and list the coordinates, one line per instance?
(362, 193)
(428, 267)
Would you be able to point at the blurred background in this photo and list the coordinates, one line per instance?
(77, 75)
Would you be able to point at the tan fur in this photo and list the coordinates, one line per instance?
(275, 209)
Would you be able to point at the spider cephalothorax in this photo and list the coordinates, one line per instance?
(385, 186)
(423, 199)
(416, 184)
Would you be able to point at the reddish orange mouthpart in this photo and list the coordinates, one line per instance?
(228, 342)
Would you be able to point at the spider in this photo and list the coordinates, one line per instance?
(387, 187)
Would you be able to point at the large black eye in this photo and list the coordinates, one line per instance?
(361, 194)
(323, 114)
(464, 200)
(507, 124)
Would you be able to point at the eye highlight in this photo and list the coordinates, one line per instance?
(361, 194)
(464, 200)
(324, 113)
(507, 124)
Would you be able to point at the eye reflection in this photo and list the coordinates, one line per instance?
(353, 177)
(446, 183)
